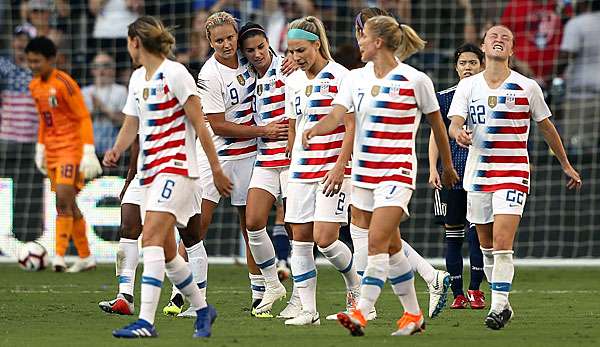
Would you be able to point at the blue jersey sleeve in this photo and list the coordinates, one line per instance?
(459, 154)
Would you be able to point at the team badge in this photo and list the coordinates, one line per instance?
(52, 99)
(241, 79)
(146, 93)
(375, 90)
(510, 101)
(259, 89)
(395, 92)
(492, 101)
(324, 88)
(308, 90)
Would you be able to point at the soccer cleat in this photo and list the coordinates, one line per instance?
(351, 301)
(459, 302)
(372, 314)
(497, 320)
(138, 329)
(476, 299)
(58, 264)
(205, 318)
(354, 321)
(438, 292)
(189, 313)
(292, 310)
(271, 295)
(83, 264)
(305, 318)
(265, 314)
(119, 305)
(172, 308)
(283, 270)
(410, 324)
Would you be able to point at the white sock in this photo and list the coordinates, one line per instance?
(373, 281)
(418, 263)
(360, 242)
(152, 278)
(403, 282)
(264, 254)
(198, 260)
(340, 256)
(502, 277)
(180, 275)
(304, 272)
(257, 285)
(127, 260)
(488, 263)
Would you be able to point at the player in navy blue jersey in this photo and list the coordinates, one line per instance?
(450, 205)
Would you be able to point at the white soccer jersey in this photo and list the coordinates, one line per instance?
(388, 111)
(500, 120)
(309, 101)
(270, 107)
(229, 91)
(167, 137)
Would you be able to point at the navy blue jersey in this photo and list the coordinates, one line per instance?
(459, 154)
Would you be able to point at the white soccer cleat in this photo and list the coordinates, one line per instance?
(58, 264)
(292, 310)
(438, 292)
(351, 301)
(189, 313)
(83, 264)
(272, 294)
(372, 314)
(305, 318)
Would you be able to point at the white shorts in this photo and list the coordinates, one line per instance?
(306, 203)
(388, 195)
(482, 207)
(272, 179)
(134, 194)
(171, 193)
(239, 173)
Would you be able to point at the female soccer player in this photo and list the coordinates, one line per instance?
(496, 106)
(450, 205)
(164, 106)
(65, 148)
(438, 281)
(388, 98)
(269, 177)
(318, 188)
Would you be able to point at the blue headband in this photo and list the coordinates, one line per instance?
(299, 34)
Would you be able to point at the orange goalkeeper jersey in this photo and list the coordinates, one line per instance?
(65, 123)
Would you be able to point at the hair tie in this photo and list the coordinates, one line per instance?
(251, 29)
(358, 22)
(300, 34)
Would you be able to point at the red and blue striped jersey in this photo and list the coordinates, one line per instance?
(500, 121)
(388, 111)
(270, 107)
(229, 91)
(309, 101)
(167, 138)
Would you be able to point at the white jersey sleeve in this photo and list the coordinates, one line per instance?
(425, 94)
(182, 83)
(538, 107)
(460, 102)
(210, 88)
(131, 108)
(344, 95)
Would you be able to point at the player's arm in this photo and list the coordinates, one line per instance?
(332, 182)
(553, 140)
(458, 113)
(40, 147)
(125, 138)
(193, 110)
(291, 137)
(132, 169)
(434, 176)
(327, 124)
(449, 175)
(222, 127)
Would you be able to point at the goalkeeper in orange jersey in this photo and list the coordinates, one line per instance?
(65, 148)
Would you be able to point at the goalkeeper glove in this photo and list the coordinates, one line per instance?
(40, 157)
(89, 166)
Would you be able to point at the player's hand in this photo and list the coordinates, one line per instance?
(276, 130)
(464, 138)
(332, 182)
(111, 158)
(449, 177)
(306, 136)
(122, 193)
(90, 165)
(222, 182)
(288, 149)
(288, 66)
(40, 158)
(434, 179)
(574, 178)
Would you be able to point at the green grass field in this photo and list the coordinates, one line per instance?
(553, 307)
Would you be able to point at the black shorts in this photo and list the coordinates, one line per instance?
(450, 206)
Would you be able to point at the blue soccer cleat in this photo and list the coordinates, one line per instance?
(138, 329)
(205, 318)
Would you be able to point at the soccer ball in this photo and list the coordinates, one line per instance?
(33, 257)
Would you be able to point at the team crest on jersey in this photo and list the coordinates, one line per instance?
(395, 92)
(145, 93)
(510, 101)
(52, 99)
(324, 88)
(308, 90)
(492, 101)
(241, 79)
(375, 90)
(259, 89)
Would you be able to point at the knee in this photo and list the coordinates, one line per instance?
(64, 206)
(253, 223)
(324, 241)
(395, 248)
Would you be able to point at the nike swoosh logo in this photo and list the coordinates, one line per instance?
(475, 100)
(314, 320)
(514, 205)
(230, 84)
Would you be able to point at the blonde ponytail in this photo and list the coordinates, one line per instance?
(154, 36)
(400, 38)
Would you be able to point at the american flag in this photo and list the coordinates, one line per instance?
(18, 115)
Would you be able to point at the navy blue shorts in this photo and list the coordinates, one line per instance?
(450, 206)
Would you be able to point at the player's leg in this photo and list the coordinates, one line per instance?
(65, 198)
(86, 261)
(259, 204)
(454, 227)
(359, 231)
(281, 241)
(176, 300)
(474, 294)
